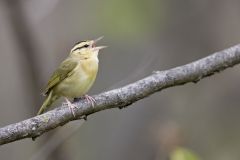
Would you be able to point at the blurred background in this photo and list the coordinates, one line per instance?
(143, 36)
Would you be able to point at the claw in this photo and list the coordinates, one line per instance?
(70, 106)
(90, 100)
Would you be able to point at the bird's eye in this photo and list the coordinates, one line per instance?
(85, 46)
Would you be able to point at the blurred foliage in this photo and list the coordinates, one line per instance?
(183, 154)
(131, 18)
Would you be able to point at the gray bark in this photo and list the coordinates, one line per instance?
(123, 97)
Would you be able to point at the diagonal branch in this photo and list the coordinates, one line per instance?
(123, 97)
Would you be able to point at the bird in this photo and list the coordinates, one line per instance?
(74, 76)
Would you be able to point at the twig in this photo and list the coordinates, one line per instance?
(123, 97)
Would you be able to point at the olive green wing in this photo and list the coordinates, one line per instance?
(64, 70)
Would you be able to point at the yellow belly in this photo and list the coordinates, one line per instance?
(77, 84)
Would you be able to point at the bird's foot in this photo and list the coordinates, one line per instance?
(70, 106)
(90, 100)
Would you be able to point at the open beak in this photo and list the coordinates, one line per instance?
(97, 47)
(98, 39)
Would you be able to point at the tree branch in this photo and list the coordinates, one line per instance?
(123, 97)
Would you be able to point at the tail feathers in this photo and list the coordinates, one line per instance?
(46, 104)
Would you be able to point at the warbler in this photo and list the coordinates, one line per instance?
(75, 75)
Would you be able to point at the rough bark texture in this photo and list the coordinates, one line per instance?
(123, 97)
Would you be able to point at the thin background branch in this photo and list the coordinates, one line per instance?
(29, 48)
(27, 44)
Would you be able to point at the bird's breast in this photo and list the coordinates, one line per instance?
(80, 81)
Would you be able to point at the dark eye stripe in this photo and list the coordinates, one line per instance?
(85, 46)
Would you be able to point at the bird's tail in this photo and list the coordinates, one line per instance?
(48, 101)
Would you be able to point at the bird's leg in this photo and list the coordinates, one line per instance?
(90, 99)
(70, 106)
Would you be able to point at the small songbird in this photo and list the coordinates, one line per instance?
(75, 75)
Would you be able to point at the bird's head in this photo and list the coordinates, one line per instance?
(86, 49)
